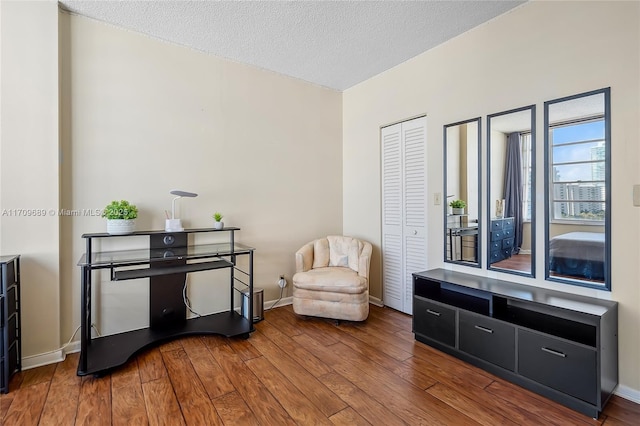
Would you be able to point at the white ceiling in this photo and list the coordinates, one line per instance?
(336, 44)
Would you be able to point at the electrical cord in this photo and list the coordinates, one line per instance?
(71, 340)
(276, 302)
(186, 300)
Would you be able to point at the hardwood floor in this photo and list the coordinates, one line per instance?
(291, 371)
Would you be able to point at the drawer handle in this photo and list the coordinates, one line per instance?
(552, 352)
(486, 330)
(433, 312)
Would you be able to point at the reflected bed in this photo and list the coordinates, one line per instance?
(578, 254)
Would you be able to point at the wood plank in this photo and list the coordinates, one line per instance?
(623, 410)
(448, 373)
(27, 405)
(150, 365)
(194, 401)
(232, 409)
(323, 398)
(37, 375)
(309, 361)
(127, 375)
(264, 405)
(409, 403)
(5, 403)
(66, 371)
(244, 349)
(214, 380)
(62, 401)
(300, 408)
(538, 405)
(94, 406)
(468, 406)
(372, 340)
(162, 405)
(348, 416)
(366, 406)
(318, 328)
(171, 345)
(128, 405)
(274, 318)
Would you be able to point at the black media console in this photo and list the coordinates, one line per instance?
(560, 345)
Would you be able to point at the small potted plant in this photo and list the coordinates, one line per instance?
(120, 217)
(218, 223)
(457, 206)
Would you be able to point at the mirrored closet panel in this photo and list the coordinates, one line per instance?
(511, 184)
(577, 189)
(462, 190)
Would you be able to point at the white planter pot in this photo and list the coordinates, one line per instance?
(458, 211)
(218, 225)
(120, 226)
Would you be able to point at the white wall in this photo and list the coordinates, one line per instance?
(29, 188)
(537, 52)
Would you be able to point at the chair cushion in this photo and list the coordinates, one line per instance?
(343, 251)
(335, 279)
(321, 253)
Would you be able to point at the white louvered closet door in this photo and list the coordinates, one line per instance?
(403, 210)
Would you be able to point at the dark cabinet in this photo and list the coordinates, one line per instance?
(488, 339)
(560, 345)
(10, 338)
(501, 237)
(565, 366)
(435, 321)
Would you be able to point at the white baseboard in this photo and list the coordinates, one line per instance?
(628, 393)
(375, 301)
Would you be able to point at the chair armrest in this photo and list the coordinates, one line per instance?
(304, 258)
(365, 260)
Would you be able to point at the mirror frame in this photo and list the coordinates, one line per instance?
(531, 108)
(478, 263)
(607, 219)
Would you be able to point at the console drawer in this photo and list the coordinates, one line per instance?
(434, 321)
(488, 339)
(561, 365)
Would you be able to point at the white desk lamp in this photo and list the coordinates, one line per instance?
(173, 224)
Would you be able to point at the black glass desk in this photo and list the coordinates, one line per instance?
(166, 261)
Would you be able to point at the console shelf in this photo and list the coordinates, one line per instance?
(560, 345)
(166, 261)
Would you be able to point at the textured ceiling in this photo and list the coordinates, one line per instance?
(335, 44)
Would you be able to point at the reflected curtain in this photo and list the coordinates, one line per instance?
(513, 188)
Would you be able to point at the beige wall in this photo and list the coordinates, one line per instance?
(137, 118)
(29, 164)
(537, 52)
(142, 117)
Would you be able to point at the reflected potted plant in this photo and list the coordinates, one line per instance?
(457, 206)
(120, 217)
(218, 223)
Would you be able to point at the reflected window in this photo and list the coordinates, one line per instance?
(578, 171)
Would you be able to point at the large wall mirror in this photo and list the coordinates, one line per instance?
(577, 189)
(462, 192)
(511, 184)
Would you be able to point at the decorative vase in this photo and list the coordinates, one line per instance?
(457, 210)
(120, 226)
(218, 225)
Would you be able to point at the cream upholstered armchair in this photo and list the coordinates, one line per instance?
(332, 279)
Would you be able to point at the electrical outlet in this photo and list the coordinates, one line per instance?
(282, 283)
